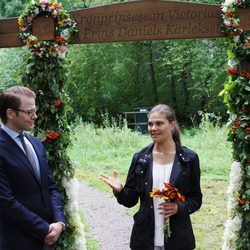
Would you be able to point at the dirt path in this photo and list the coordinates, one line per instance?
(109, 222)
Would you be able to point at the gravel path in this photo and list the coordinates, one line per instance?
(109, 222)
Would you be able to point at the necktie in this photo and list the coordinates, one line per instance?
(31, 157)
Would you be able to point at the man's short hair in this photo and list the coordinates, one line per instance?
(10, 99)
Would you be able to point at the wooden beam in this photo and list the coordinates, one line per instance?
(133, 21)
(8, 33)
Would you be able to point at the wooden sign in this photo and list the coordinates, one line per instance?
(133, 21)
(40, 28)
(148, 20)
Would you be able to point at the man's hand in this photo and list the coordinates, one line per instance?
(55, 230)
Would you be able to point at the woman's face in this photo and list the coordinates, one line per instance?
(159, 128)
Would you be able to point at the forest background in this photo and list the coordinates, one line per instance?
(118, 77)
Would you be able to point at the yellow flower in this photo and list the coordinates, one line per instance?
(247, 43)
(52, 51)
(61, 21)
(31, 41)
(21, 23)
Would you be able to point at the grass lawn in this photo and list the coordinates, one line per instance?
(208, 221)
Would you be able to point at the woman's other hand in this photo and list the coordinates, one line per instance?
(168, 208)
(113, 182)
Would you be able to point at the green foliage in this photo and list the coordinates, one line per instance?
(209, 141)
(11, 61)
(236, 95)
(12, 8)
(118, 77)
(97, 149)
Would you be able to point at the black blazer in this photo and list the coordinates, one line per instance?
(27, 206)
(185, 176)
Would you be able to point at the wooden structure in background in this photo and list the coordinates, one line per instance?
(132, 21)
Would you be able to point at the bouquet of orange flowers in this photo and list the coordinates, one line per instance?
(170, 194)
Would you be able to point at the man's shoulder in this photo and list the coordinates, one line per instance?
(3, 135)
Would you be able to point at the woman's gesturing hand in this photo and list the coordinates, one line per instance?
(113, 182)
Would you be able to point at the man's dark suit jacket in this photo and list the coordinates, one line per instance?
(27, 206)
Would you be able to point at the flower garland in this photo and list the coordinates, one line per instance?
(230, 17)
(72, 189)
(45, 72)
(66, 29)
(230, 25)
(233, 224)
(236, 94)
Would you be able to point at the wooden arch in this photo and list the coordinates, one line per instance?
(132, 21)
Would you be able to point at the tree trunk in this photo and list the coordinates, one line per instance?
(185, 79)
(152, 75)
(174, 92)
(204, 97)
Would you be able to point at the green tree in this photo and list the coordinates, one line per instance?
(10, 66)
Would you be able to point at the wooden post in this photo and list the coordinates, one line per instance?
(44, 28)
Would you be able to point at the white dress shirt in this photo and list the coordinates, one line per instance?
(161, 174)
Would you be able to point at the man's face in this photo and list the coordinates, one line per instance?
(23, 119)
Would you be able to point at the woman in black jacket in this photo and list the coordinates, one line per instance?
(163, 161)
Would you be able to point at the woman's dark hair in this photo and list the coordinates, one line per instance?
(10, 99)
(170, 116)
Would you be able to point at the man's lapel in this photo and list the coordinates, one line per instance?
(10, 145)
(39, 154)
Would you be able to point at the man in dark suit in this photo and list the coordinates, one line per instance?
(31, 213)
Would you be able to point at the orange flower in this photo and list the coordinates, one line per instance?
(247, 130)
(243, 202)
(58, 102)
(59, 39)
(236, 123)
(169, 192)
(229, 14)
(52, 135)
(245, 74)
(232, 71)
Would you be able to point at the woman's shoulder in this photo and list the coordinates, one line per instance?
(146, 150)
(187, 152)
